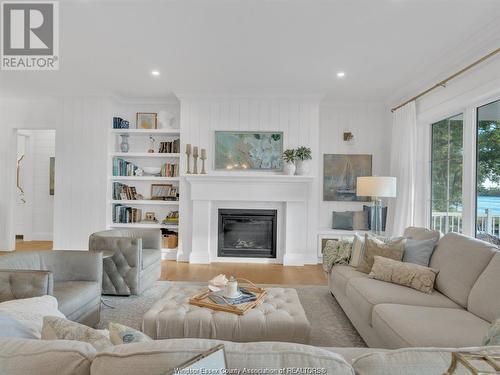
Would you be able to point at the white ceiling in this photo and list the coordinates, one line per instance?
(253, 46)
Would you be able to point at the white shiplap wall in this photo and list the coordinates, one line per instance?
(297, 118)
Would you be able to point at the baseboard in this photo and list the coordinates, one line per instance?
(42, 237)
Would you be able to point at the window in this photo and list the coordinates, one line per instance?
(446, 174)
(488, 173)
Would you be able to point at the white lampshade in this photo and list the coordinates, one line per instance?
(376, 186)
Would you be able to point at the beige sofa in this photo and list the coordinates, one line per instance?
(457, 313)
(61, 357)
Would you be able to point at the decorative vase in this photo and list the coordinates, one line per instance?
(289, 168)
(124, 146)
(302, 167)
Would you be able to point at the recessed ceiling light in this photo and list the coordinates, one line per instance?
(155, 73)
(340, 74)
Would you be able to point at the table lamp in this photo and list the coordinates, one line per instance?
(376, 187)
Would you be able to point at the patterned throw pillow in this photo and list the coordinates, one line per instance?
(408, 274)
(492, 338)
(55, 328)
(393, 249)
(336, 252)
(120, 334)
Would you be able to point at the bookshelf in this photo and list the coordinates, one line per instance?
(130, 195)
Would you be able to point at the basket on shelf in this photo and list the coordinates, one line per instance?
(170, 241)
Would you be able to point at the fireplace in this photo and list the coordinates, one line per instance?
(247, 233)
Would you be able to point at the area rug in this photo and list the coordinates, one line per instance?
(330, 325)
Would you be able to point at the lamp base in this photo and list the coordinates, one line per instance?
(376, 216)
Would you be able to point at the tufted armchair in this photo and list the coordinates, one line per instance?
(132, 259)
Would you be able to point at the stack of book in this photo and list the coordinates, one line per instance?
(125, 214)
(170, 147)
(123, 168)
(244, 297)
(170, 170)
(172, 218)
(122, 191)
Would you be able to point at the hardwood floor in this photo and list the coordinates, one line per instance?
(257, 273)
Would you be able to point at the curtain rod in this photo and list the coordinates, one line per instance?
(445, 81)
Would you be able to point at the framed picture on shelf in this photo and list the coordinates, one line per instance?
(160, 191)
(173, 192)
(150, 217)
(145, 120)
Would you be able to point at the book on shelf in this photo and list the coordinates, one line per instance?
(119, 123)
(124, 192)
(125, 214)
(172, 147)
(122, 167)
(170, 170)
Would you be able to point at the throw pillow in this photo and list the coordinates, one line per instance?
(358, 246)
(408, 274)
(120, 334)
(419, 252)
(11, 328)
(336, 252)
(360, 220)
(55, 328)
(342, 220)
(30, 311)
(492, 338)
(393, 249)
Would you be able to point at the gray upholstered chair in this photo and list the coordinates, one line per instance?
(136, 261)
(73, 277)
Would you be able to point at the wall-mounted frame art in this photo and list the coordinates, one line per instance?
(340, 172)
(248, 150)
(144, 120)
(160, 191)
(52, 175)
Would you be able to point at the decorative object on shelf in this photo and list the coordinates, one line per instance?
(52, 175)
(339, 176)
(153, 171)
(165, 119)
(150, 217)
(172, 194)
(195, 160)
(203, 157)
(303, 155)
(376, 187)
(139, 172)
(172, 218)
(124, 146)
(170, 240)
(188, 154)
(289, 157)
(146, 120)
(246, 150)
(119, 123)
(160, 191)
(151, 145)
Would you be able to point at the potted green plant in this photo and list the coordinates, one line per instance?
(303, 156)
(289, 157)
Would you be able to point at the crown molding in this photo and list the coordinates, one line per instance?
(315, 98)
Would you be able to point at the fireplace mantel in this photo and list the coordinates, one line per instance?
(290, 192)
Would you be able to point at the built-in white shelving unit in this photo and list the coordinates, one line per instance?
(139, 143)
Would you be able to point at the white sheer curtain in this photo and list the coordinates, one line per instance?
(403, 166)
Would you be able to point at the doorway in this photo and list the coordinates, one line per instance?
(35, 189)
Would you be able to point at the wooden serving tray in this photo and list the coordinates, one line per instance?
(202, 300)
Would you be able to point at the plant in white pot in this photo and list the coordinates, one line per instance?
(289, 157)
(303, 156)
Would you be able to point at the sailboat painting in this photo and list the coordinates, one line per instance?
(340, 172)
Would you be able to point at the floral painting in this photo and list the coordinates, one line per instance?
(248, 150)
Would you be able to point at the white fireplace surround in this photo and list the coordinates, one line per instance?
(287, 194)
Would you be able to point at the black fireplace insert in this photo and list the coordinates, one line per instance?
(247, 233)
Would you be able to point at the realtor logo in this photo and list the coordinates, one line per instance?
(30, 35)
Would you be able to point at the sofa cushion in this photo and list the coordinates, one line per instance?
(149, 257)
(72, 295)
(157, 357)
(12, 328)
(415, 361)
(460, 260)
(366, 293)
(404, 326)
(22, 357)
(487, 286)
(340, 275)
(420, 234)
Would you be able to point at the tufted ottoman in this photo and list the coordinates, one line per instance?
(280, 317)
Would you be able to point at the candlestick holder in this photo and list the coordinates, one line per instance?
(195, 160)
(188, 155)
(203, 157)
